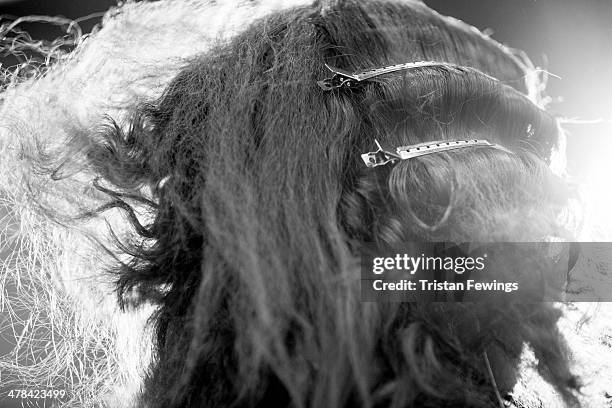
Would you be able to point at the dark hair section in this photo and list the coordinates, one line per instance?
(262, 203)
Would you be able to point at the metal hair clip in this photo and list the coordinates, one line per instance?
(344, 78)
(383, 156)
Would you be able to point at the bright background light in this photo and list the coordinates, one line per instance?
(573, 41)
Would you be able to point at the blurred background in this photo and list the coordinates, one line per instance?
(568, 38)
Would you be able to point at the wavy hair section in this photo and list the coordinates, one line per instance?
(183, 157)
(261, 206)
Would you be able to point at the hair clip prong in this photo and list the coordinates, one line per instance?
(379, 157)
(339, 79)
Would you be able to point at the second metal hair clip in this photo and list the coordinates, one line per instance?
(383, 156)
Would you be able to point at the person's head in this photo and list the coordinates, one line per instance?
(257, 205)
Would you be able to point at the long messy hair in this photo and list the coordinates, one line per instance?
(261, 205)
(257, 206)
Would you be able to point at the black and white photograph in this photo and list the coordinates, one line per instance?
(305, 204)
